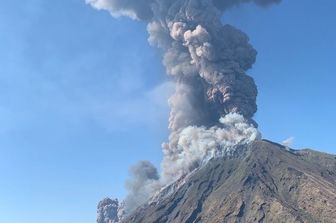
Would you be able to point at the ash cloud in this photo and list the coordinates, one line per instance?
(109, 211)
(143, 183)
(214, 102)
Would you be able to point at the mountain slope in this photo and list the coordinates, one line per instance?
(265, 183)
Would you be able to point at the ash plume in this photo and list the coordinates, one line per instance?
(143, 183)
(109, 211)
(213, 106)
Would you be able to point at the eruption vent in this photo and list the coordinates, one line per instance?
(208, 62)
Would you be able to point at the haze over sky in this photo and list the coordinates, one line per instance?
(83, 97)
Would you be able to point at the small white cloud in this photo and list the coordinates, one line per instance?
(288, 142)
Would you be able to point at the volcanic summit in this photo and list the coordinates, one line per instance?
(266, 182)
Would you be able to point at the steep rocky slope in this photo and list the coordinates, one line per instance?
(265, 183)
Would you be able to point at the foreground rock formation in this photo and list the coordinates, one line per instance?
(265, 182)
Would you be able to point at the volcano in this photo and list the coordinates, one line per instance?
(224, 171)
(264, 182)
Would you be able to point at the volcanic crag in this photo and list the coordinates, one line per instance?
(264, 183)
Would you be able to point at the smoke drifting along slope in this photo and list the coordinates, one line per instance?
(208, 62)
(145, 180)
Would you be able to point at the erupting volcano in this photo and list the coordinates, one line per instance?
(211, 119)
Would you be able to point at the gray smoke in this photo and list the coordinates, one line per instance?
(109, 211)
(143, 182)
(208, 62)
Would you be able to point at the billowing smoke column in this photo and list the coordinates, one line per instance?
(215, 100)
(144, 180)
(109, 211)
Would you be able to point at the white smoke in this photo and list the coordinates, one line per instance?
(288, 142)
(196, 145)
(135, 9)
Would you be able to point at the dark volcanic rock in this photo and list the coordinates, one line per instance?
(268, 183)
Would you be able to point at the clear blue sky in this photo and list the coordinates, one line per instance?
(82, 98)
